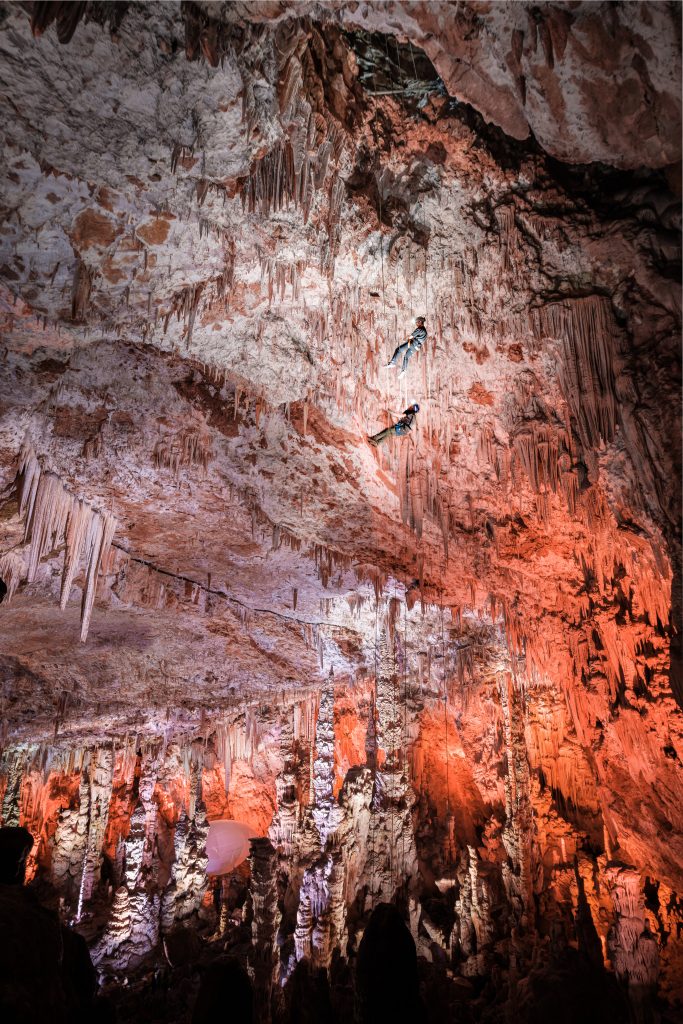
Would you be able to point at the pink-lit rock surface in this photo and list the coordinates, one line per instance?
(445, 672)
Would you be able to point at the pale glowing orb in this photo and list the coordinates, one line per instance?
(227, 845)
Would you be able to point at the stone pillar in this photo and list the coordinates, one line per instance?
(263, 958)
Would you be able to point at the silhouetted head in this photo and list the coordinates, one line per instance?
(413, 408)
(225, 988)
(387, 986)
(15, 846)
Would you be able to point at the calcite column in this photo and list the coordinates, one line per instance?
(392, 850)
(632, 946)
(134, 925)
(149, 774)
(101, 773)
(325, 807)
(183, 895)
(519, 826)
(474, 931)
(11, 798)
(586, 932)
(335, 917)
(263, 957)
(124, 925)
(389, 711)
(68, 846)
(286, 818)
(321, 916)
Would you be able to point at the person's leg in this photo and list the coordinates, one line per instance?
(407, 357)
(377, 439)
(400, 349)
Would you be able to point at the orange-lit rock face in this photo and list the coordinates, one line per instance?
(444, 670)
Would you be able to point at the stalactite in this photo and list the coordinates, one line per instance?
(82, 287)
(590, 365)
(66, 15)
(54, 516)
(190, 448)
(12, 572)
(238, 740)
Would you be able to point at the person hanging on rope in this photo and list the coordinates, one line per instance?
(412, 344)
(399, 429)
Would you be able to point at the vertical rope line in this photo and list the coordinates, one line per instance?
(445, 713)
(412, 57)
(381, 248)
(405, 697)
(393, 760)
(374, 779)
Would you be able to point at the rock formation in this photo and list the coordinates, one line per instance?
(443, 674)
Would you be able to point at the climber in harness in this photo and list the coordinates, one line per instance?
(412, 344)
(399, 429)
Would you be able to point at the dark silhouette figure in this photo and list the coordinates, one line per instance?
(569, 987)
(15, 846)
(45, 970)
(308, 996)
(387, 987)
(225, 993)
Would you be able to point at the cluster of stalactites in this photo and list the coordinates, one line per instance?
(237, 741)
(191, 448)
(590, 367)
(53, 516)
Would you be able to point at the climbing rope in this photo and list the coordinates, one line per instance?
(445, 714)
(374, 779)
(405, 697)
(381, 248)
(393, 752)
